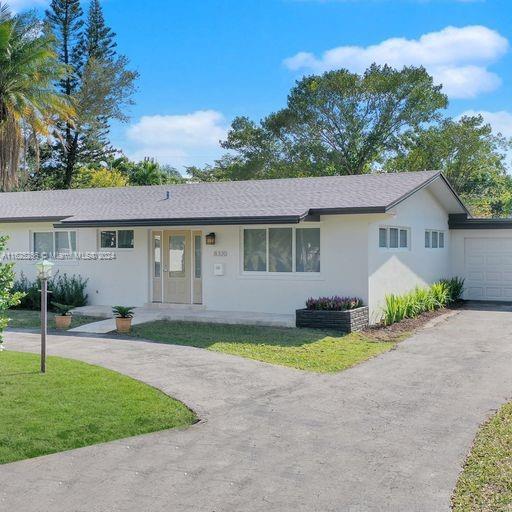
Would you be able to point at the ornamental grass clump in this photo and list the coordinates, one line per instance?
(335, 303)
(420, 300)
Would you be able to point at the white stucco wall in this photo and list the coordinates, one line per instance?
(399, 271)
(351, 263)
(121, 281)
(125, 280)
(344, 270)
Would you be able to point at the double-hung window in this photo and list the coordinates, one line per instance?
(434, 239)
(117, 239)
(54, 242)
(281, 250)
(394, 238)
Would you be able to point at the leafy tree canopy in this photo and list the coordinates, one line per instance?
(470, 156)
(87, 177)
(336, 123)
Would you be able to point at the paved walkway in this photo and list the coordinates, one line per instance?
(388, 435)
(178, 313)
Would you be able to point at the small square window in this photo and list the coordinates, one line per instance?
(108, 239)
(125, 239)
(427, 239)
(393, 238)
(383, 237)
(403, 239)
(441, 240)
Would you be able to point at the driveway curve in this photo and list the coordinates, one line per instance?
(388, 435)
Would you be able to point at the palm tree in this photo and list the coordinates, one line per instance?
(29, 103)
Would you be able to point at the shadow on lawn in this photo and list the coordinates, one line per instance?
(201, 335)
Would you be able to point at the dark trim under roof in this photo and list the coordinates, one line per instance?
(7, 220)
(198, 221)
(464, 222)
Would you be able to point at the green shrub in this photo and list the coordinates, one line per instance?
(69, 290)
(435, 296)
(396, 309)
(440, 294)
(32, 296)
(456, 288)
(8, 296)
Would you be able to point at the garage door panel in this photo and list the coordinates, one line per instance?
(474, 293)
(493, 276)
(476, 260)
(488, 268)
(493, 292)
(475, 276)
(494, 260)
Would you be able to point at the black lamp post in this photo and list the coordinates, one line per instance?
(44, 272)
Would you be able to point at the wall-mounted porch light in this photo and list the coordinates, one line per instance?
(210, 239)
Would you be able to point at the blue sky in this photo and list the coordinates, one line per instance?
(202, 62)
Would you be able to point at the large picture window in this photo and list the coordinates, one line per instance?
(281, 250)
(54, 242)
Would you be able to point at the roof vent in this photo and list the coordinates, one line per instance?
(168, 195)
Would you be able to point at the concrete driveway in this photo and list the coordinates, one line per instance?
(388, 435)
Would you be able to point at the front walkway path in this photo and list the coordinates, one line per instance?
(181, 313)
(388, 435)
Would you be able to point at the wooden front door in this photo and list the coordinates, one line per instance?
(177, 282)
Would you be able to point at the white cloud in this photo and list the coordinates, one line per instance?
(178, 140)
(19, 5)
(456, 57)
(501, 121)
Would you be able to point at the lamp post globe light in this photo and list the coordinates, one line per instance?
(44, 272)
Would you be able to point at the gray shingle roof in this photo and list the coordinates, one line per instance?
(288, 199)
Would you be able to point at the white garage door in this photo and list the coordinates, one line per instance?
(488, 265)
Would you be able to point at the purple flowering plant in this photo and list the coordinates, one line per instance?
(335, 303)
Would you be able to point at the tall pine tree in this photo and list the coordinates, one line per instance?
(100, 86)
(64, 17)
(99, 40)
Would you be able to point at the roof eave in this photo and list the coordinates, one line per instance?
(194, 221)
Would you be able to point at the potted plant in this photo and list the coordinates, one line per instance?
(123, 315)
(63, 316)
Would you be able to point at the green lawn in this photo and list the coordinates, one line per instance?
(75, 404)
(23, 319)
(306, 349)
(485, 484)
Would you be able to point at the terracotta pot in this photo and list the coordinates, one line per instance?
(123, 324)
(62, 322)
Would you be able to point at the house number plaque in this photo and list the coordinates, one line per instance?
(220, 253)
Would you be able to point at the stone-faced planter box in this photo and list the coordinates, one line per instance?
(347, 321)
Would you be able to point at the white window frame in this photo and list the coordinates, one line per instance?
(32, 244)
(267, 273)
(439, 232)
(116, 248)
(394, 249)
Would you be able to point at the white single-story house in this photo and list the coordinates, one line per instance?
(262, 246)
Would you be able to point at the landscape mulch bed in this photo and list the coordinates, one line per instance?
(407, 326)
